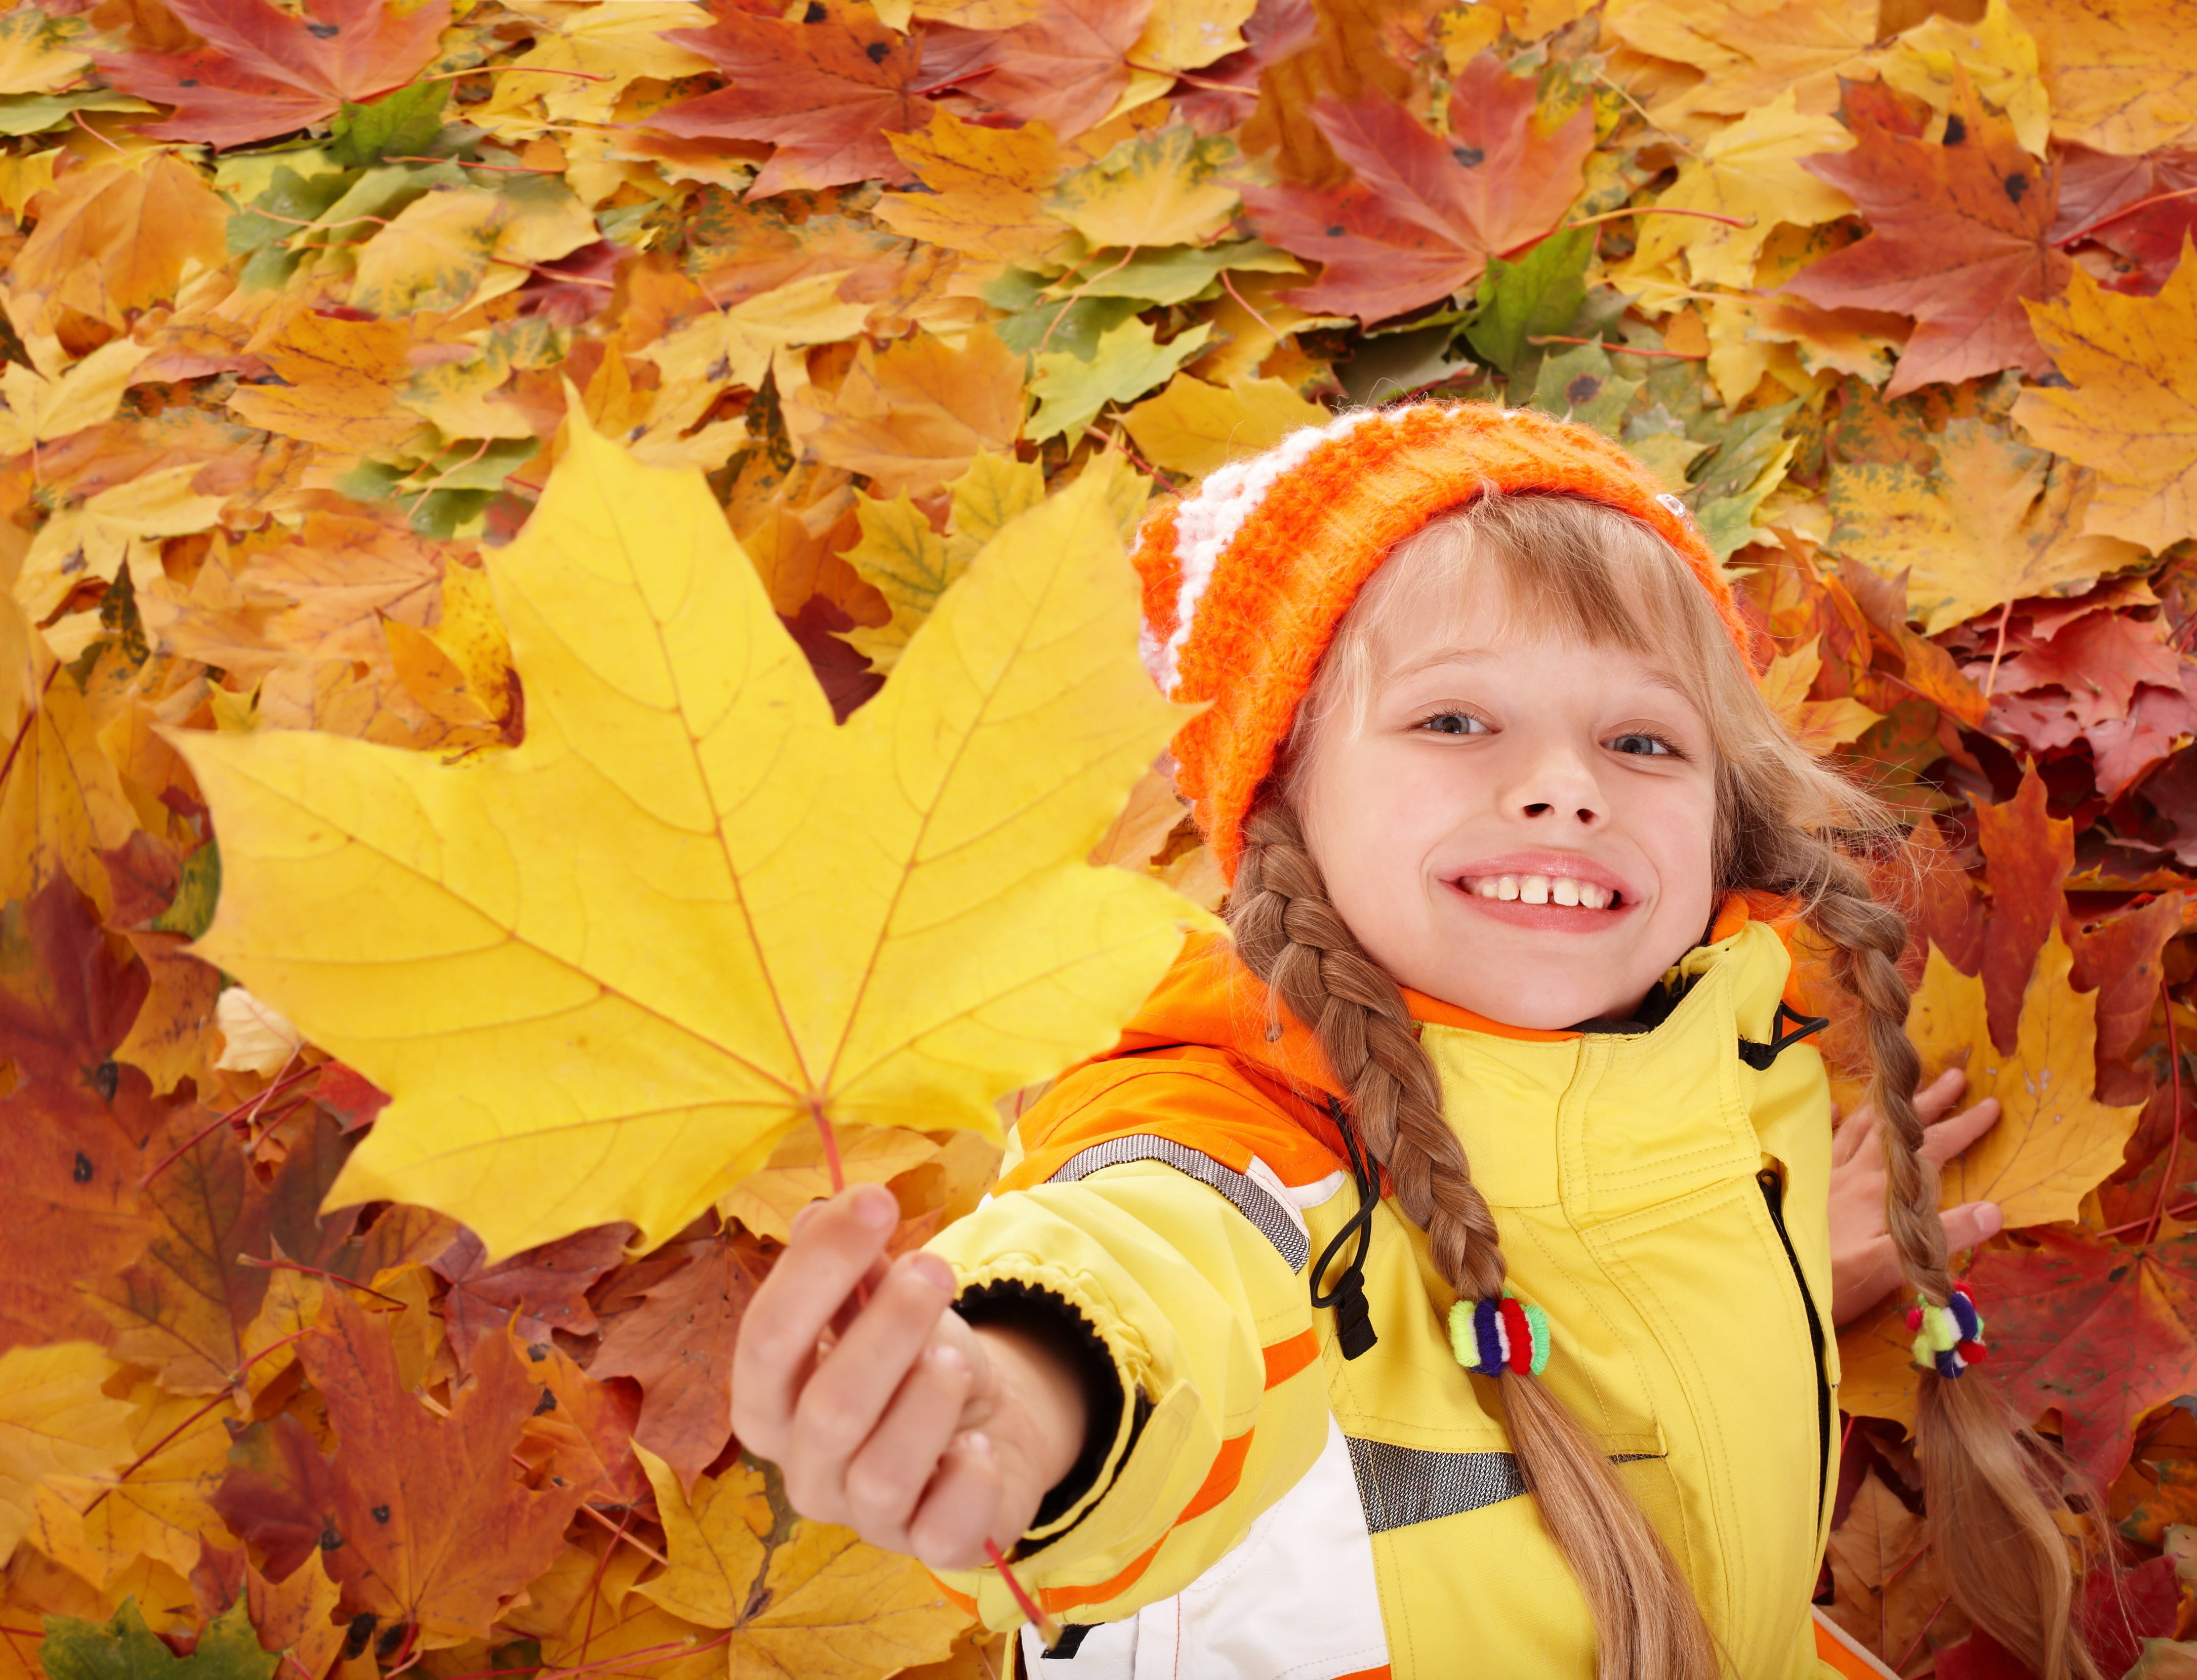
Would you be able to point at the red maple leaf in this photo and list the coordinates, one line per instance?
(2106, 678)
(1960, 234)
(2139, 208)
(263, 72)
(826, 93)
(76, 1120)
(2098, 1331)
(1066, 67)
(542, 1289)
(1424, 215)
(427, 1522)
(2027, 856)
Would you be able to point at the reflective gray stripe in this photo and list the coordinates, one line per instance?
(1399, 1486)
(1250, 1200)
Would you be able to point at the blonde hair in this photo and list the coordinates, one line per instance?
(1787, 825)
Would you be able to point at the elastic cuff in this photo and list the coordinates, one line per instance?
(1011, 1303)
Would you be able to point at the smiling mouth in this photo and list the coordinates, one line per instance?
(1563, 889)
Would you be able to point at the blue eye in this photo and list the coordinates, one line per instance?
(1453, 723)
(1642, 746)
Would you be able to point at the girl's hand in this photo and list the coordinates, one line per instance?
(893, 1418)
(1864, 1268)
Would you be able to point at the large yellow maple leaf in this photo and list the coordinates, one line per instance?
(2055, 1143)
(601, 974)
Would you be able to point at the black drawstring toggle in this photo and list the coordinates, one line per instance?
(1758, 1057)
(1353, 1315)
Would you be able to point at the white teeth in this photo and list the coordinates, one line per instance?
(1564, 889)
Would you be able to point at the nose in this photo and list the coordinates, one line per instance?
(1558, 789)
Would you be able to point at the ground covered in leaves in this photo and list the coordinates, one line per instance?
(297, 299)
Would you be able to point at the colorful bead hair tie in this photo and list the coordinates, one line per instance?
(1948, 1338)
(1491, 1335)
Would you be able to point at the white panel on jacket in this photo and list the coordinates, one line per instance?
(1296, 1600)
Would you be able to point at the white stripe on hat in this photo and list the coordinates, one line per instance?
(1208, 522)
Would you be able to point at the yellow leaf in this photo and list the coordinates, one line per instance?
(55, 1421)
(1125, 363)
(1824, 725)
(23, 178)
(810, 1599)
(98, 1523)
(1786, 682)
(36, 56)
(38, 408)
(1190, 34)
(115, 238)
(471, 634)
(256, 1037)
(1999, 55)
(986, 14)
(917, 414)
(94, 540)
(2054, 1142)
(995, 491)
(2122, 77)
(1193, 427)
(907, 562)
(1752, 171)
(986, 187)
(435, 680)
(1155, 810)
(2131, 410)
(293, 1615)
(339, 385)
(61, 804)
(1997, 521)
(1750, 51)
(603, 974)
(603, 49)
(1159, 189)
(766, 1202)
(431, 256)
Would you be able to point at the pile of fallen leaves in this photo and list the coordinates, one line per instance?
(305, 302)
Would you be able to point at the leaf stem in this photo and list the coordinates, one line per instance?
(1909, 1656)
(254, 1261)
(2090, 228)
(220, 1120)
(1048, 1629)
(1998, 650)
(1075, 297)
(147, 1457)
(1660, 210)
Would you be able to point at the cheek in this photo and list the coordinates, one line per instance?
(1678, 830)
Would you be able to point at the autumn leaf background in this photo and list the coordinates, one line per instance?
(879, 325)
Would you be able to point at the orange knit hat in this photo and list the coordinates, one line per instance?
(1245, 581)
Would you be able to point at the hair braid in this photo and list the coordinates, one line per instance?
(1646, 1624)
(1989, 1481)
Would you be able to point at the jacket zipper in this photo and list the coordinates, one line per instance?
(1773, 1196)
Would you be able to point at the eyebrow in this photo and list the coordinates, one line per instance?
(1475, 656)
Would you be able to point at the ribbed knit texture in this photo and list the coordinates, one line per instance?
(1245, 581)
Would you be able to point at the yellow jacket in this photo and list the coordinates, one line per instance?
(1266, 1507)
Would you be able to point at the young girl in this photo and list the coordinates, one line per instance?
(1434, 1279)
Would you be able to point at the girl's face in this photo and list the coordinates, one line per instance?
(1523, 827)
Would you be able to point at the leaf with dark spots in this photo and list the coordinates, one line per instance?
(1949, 242)
(69, 992)
(541, 1289)
(263, 72)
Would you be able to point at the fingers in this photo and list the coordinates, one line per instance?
(962, 1507)
(1971, 1223)
(853, 1385)
(1946, 1138)
(885, 1480)
(1858, 1128)
(1936, 1099)
(835, 1244)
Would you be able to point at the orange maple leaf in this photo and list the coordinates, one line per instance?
(263, 72)
(1960, 233)
(1423, 217)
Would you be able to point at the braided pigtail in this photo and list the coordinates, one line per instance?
(1988, 1481)
(1646, 1624)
